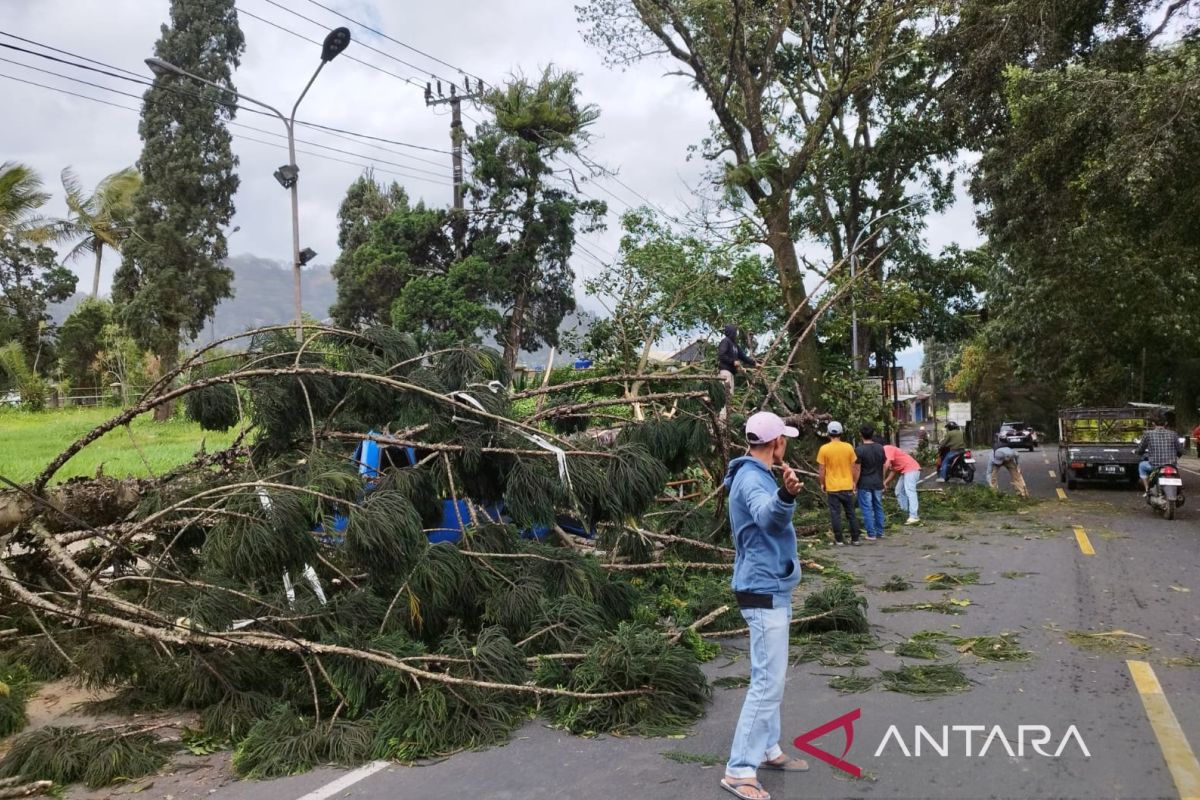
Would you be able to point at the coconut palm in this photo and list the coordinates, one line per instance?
(101, 218)
(21, 195)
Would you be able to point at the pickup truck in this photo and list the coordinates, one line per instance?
(1100, 444)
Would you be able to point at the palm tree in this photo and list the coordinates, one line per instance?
(21, 195)
(101, 218)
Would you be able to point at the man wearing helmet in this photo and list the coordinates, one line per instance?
(952, 444)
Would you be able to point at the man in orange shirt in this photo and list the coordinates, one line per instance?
(838, 470)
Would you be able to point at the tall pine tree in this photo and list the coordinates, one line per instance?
(529, 225)
(172, 275)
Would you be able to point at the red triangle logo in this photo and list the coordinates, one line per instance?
(803, 742)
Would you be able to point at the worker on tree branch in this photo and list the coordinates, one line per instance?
(729, 353)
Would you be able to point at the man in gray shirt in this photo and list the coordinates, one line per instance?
(1006, 457)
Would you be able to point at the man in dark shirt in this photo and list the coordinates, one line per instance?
(870, 482)
(729, 353)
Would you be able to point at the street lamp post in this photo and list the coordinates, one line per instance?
(289, 174)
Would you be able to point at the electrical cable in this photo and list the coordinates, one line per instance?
(346, 56)
(143, 80)
(324, 27)
(380, 33)
(371, 162)
(231, 122)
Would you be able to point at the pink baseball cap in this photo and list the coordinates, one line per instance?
(765, 427)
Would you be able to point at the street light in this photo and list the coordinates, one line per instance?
(288, 175)
(854, 269)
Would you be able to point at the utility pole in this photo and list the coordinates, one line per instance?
(456, 141)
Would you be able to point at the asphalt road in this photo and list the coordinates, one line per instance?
(1143, 579)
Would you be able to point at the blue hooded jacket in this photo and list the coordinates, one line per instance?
(763, 534)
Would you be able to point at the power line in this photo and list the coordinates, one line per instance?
(371, 162)
(142, 80)
(323, 26)
(65, 52)
(405, 45)
(346, 56)
(231, 122)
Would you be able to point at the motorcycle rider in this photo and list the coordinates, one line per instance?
(1160, 447)
(953, 443)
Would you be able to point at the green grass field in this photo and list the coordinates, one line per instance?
(28, 441)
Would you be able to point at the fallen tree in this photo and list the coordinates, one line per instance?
(177, 591)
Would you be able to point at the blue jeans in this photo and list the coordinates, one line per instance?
(757, 736)
(906, 492)
(870, 501)
(946, 462)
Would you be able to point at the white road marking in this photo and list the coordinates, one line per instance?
(346, 781)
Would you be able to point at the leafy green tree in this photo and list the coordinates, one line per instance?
(884, 167)
(986, 37)
(171, 277)
(526, 224)
(776, 75)
(102, 218)
(668, 284)
(1090, 207)
(407, 242)
(361, 299)
(81, 341)
(30, 279)
(450, 308)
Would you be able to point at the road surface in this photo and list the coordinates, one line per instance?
(1087, 561)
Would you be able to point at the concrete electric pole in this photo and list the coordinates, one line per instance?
(454, 99)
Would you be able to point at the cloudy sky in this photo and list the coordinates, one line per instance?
(648, 119)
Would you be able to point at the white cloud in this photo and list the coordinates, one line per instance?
(648, 120)
(646, 125)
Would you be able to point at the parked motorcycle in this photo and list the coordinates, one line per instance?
(1166, 491)
(962, 466)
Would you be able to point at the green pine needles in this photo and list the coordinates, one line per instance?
(293, 597)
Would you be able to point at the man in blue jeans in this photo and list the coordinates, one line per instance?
(765, 572)
(870, 482)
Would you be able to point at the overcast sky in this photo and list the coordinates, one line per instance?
(647, 121)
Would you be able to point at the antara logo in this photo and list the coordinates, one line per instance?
(1038, 735)
(1033, 737)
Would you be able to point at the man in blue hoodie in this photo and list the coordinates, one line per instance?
(766, 569)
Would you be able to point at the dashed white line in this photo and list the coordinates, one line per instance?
(346, 781)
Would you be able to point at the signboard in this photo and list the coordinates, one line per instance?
(873, 385)
(959, 412)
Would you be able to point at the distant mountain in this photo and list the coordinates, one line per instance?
(262, 295)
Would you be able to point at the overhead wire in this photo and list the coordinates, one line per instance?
(371, 48)
(231, 122)
(346, 56)
(371, 163)
(405, 45)
(143, 80)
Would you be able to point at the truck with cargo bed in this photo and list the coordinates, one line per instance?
(1100, 444)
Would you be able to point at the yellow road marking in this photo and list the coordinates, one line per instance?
(1061, 494)
(1174, 745)
(1085, 544)
(1052, 475)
